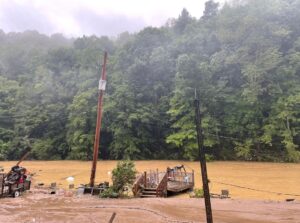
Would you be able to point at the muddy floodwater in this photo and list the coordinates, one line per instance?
(258, 193)
(268, 181)
(37, 208)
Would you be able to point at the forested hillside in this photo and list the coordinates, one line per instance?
(243, 58)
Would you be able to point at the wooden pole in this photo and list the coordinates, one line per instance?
(112, 218)
(24, 156)
(209, 217)
(102, 84)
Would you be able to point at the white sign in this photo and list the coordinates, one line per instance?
(102, 84)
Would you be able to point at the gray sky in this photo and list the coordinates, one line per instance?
(78, 17)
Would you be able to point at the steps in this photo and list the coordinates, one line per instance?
(148, 192)
(152, 184)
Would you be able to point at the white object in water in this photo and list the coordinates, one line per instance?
(70, 179)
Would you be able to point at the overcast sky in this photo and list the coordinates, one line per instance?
(99, 17)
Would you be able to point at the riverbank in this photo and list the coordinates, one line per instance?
(44, 208)
(244, 180)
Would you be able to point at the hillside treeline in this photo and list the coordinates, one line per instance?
(243, 58)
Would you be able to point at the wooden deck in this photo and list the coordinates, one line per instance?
(2, 176)
(158, 184)
(177, 186)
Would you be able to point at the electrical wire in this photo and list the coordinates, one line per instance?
(166, 125)
(254, 189)
(148, 124)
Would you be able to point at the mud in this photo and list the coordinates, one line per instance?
(36, 207)
(245, 206)
(270, 180)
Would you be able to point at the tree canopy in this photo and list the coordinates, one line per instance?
(243, 58)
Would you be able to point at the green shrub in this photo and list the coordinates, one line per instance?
(109, 193)
(198, 193)
(123, 175)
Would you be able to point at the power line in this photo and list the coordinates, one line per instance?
(51, 114)
(224, 137)
(164, 125)
(159, 125)
(254, 189)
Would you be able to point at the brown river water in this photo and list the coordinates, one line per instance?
(269, 181)
(245, 206)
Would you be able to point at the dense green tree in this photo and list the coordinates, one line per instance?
(242, 58)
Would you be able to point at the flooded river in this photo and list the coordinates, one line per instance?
(245, 180)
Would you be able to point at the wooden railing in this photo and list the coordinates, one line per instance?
(2, 176)
(161, 190)
(184, 177)
(158, 181)
(140, 180)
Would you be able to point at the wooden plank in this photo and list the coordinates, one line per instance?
(176, 186)
(112, 217)
(176, 181)
(2, 176)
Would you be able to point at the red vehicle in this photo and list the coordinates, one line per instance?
(14, 183)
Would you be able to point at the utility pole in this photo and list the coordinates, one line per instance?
(209, 217)
(102, 84)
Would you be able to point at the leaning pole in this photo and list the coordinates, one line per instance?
(209, 217)
(102, 84)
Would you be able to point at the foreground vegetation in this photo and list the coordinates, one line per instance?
(243, 58)
(123, 177)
